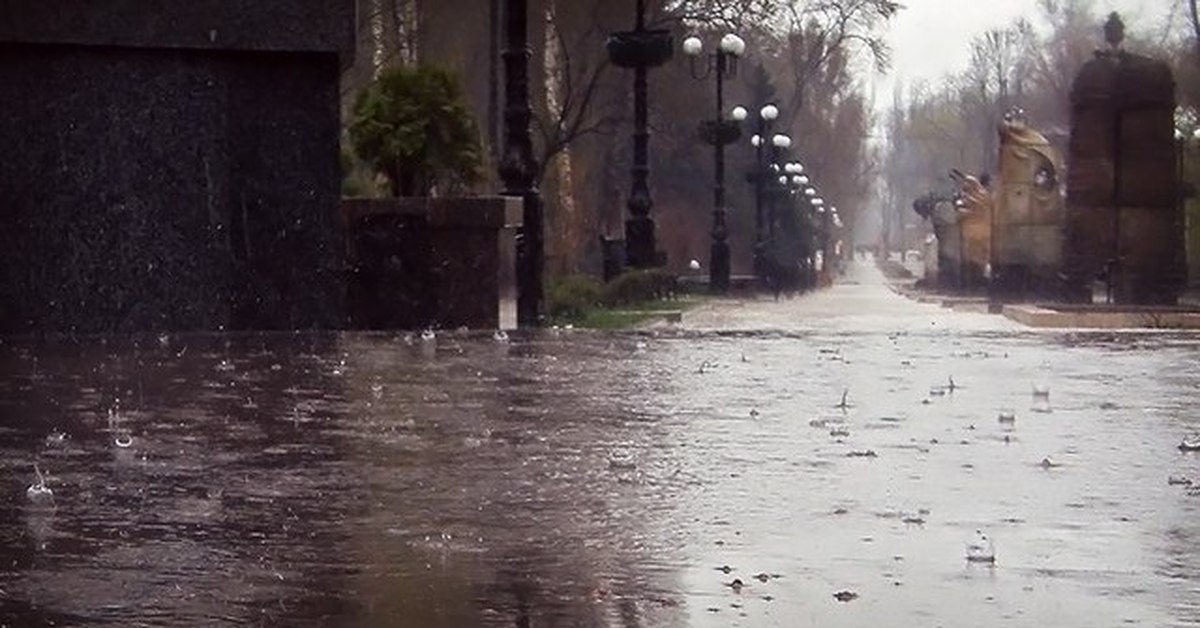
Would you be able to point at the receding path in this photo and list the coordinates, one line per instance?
(860, 301)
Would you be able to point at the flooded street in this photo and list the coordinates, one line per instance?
(702, 475)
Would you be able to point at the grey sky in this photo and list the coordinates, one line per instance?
(931, 38)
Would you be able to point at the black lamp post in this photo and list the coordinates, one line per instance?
(767, 192)
(814, 239)
(517, 166)
(759, 178)
(780, 143)
(719, 132)
(818, 204)
(640, 49)
(833, 226)
(794, 181)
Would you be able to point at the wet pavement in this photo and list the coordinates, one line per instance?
(700, 475)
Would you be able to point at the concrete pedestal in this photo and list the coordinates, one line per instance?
(427, 262)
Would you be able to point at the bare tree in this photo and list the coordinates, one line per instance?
(817, 34)
(577, 104)
(1194, 15)
(717, 13)
(995, 75)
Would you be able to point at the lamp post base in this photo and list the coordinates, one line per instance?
(639, 242)
(760, 260)
(718, 268)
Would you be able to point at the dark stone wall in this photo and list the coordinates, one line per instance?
(156, 179)
(147, 189)
(244, 25)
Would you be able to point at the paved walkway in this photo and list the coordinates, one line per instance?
(862, 300)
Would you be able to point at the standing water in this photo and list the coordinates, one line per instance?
(711, 475)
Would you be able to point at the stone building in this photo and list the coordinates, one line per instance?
(171, 165)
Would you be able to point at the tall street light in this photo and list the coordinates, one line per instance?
(812, 242)
(517, 166)
(800, 181)
(794, 251)
(835, 222)
(780, 143)
(766, 116)
(640, 49)
(822, 239)
(719, 132)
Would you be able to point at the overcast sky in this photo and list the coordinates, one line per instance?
(931, 38)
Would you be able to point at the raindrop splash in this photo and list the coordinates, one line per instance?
(844, 403)
(38, 492)
(980, 549)
(56, 439)
(622, 461)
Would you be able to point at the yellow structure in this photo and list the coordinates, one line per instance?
(1013, 230)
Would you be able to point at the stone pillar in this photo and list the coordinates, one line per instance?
(432, 262)
(170, 167)
(473, 261)
(1123, 226)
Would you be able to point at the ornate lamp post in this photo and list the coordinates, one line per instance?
(795, 177)
(780, 143)
(836, 253)
(640, 49)
(814, 240)
(719, 132)
(766, 116)
(517, 166)
(823, 215)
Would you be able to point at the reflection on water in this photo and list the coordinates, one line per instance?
(568, 478)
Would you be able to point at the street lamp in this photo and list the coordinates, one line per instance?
(820, 241)
(640, 50)
(1186, 219)
(835, 248)
(766, 116)
(780, 142)
(719, 132)
(517, 166)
